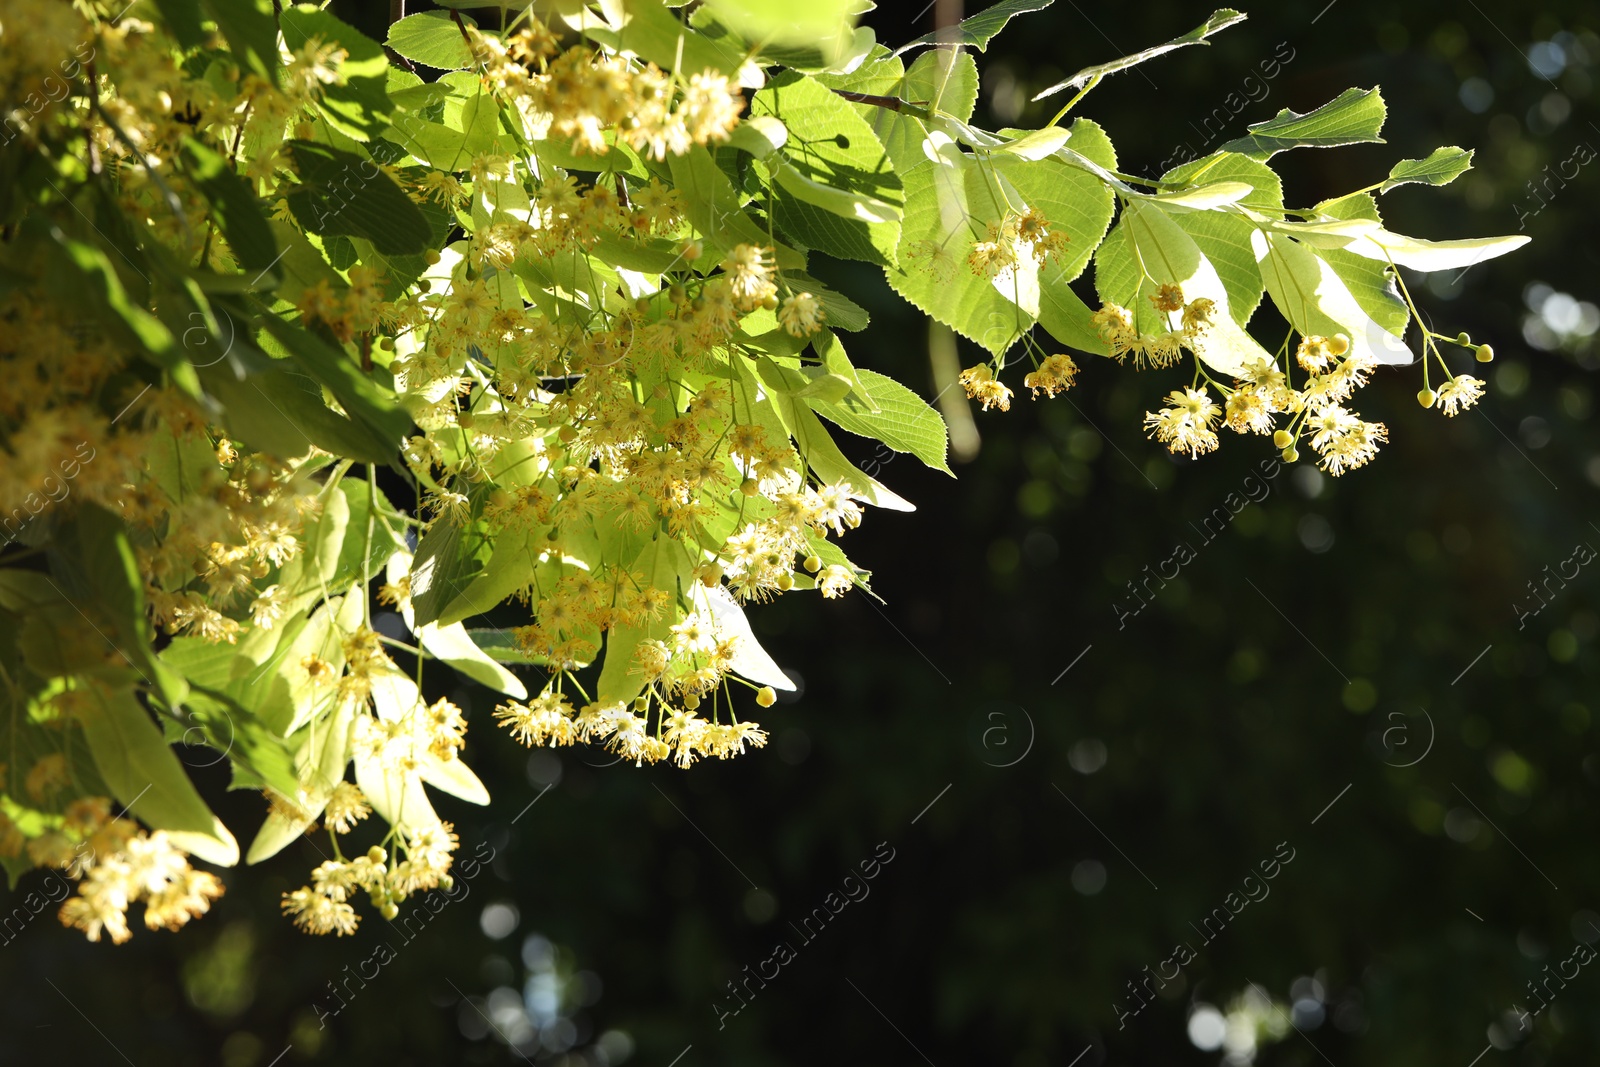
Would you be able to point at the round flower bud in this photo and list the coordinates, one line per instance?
(466, 420)
(813, 563)
(691, 700)
(766, 697)
(386, 343)
(1485, 353)
(641, 703)
(642, 305)
(1339, 344)
(431, 256)
(1283, 439)
(785, 581)
(398, 896)
(770, 302)
(1463, 340)
(567, 435)
(677, 294)
(1290, 455)
(693, 250)
(749, 487)
(390, 911)
(446, 882)
(376, 854)
(711, 575)
(1427, 397)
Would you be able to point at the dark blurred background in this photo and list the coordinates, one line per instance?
(1095, 790)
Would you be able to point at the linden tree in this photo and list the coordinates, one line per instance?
(516, 308)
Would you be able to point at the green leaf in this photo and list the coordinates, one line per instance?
(879, 74)
(252, 33)
(433, 39)
(1076, 203)
(948, 207)
(1090, 140)
(977, 30)
(904, 421)
(1147, 250)
(358, 106)
(102, 579)
(1220, 19)
(350, 567)
(1355, 116)
(854, 207)
(832, 161)
(344, 193)
(500, 645)
(843, 313)
(234, 205)
(280, 411)
(369, 404)
(1065, 317)
(76, 267)
(818, 33)
(944, 81)
(1314, 300)
(1443, 166)
(139, 767)
(222, 721)
(179, 463)
(451, 146)
(827, 462)
(301, 267)
(715, 209)
(511, 566)
(183, 20)
(1224, 236)
(653, 32)
(836, 361)
(884, 74)
(444, 566)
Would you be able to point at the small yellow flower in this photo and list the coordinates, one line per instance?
(981, 385)
(1460, 393)
(1185, 425)
(346, 807)
(1055, 375)
(801, 315)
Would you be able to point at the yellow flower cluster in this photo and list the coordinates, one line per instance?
(1015, 237)
(1186, 322)
(592, 99)
(324, 906)
(981, 385)
(550, 406)
(117, 865)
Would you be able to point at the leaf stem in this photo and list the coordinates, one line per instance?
(1070, 103)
